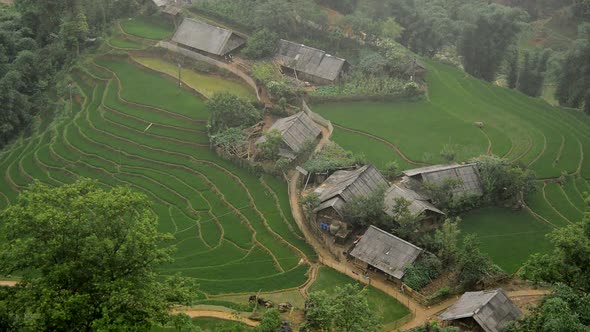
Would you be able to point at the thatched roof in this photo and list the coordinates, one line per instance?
(468, 176)
(492, 310)
(385, 251)
(309, 60)
(344, 186)
(205, 37)
(418, 203)
(296, 130)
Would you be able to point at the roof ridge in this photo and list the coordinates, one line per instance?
(313, 48)
(397, 237)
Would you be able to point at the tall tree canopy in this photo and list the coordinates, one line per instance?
(88, 258)
(573, 86)
(230, 111)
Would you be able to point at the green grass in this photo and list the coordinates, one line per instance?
(211, 206)
(125, 44)
(209, 324)
(387, 308)
(149, 27)
(518, 127)
(205, 84)
(508, 237)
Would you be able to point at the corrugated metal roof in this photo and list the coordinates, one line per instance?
(418, 203)
(296, 130)
(386, 252)
(467, 174)
(349, 185)
(492, 310)
(309, 60)
(205, 37)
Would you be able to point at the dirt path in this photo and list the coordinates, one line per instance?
(217, 314)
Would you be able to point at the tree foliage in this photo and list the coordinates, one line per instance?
(230, 111)
(88, 259)
(475, 268)
(261, 44)
(270, 148)
(573, 86)
(532, 73)
(331, 158)
(365, 210)
(345, 310)
(504, 182)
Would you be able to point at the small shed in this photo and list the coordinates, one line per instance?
(206, 38)
(310, 64)
(296, 131)
(416, 70)
(467, 176)
(385, 252)
(344, 186)
(489, 311)
(419, 204)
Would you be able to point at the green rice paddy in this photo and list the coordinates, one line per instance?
(388, 308)
(547, 139)
(234, 231)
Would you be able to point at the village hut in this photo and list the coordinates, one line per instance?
(310, 64)
(296, 131)
(467, 176)
(415, 70)
(489, 311)
(419, 204)
(207, 39)
(161, 3)
(385, 252)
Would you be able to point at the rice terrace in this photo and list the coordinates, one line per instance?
(302, 205)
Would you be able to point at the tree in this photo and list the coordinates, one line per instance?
(446, 240)
(407, 221)
(391, 29)
(433, 327)
(88, 259)
(512, 61)
(569, 262)
(503, 182)
(532, 74)
(345, 310)
(366, 209)
(270, 148)
(474, 267)
(485, 39)
(564, 310)
(230, 111)
(261, 44)
(271, 321)
(392, 171)
(573, 84)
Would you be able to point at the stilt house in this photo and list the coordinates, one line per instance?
(206, 39)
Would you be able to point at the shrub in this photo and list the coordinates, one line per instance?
(392, 171)
(269, 149)
(332, 157)
(229, 111)
(262, 44)
(422, 272)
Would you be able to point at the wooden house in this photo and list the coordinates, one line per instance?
(385, 252)
(296, 131)
(467, 177)
(310, 64)
(489, 311)
(419, 204)
(206, 39)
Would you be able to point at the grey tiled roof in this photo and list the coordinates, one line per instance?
(492, 310)
(205, 37)
(296, 130)
(467, 174)
(161, 3)
(348, 185)
(418, 203)
(385, 251)
(309, 60)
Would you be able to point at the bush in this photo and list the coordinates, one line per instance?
(422, 272)
(262, 44)
(229, 111)
(332, 157)
(269, 149)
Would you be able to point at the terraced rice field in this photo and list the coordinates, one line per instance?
(549, 140)
(388, 308)
(130, 126)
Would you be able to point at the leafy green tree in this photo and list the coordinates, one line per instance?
(573, 84)
(485, 39)
(512, 61)
(75, 30)
(446, 241)
(504, 182)
(230, 111)
(345, 310)
(564, 310)
(569, 262)
(87, 258)
(392, 171)
(474, 267)
(532, 74)
(271, 321)
(229, 140)
(391, 29)
(270, 148)
(261, 44)
(407, 221)
(365, 210)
